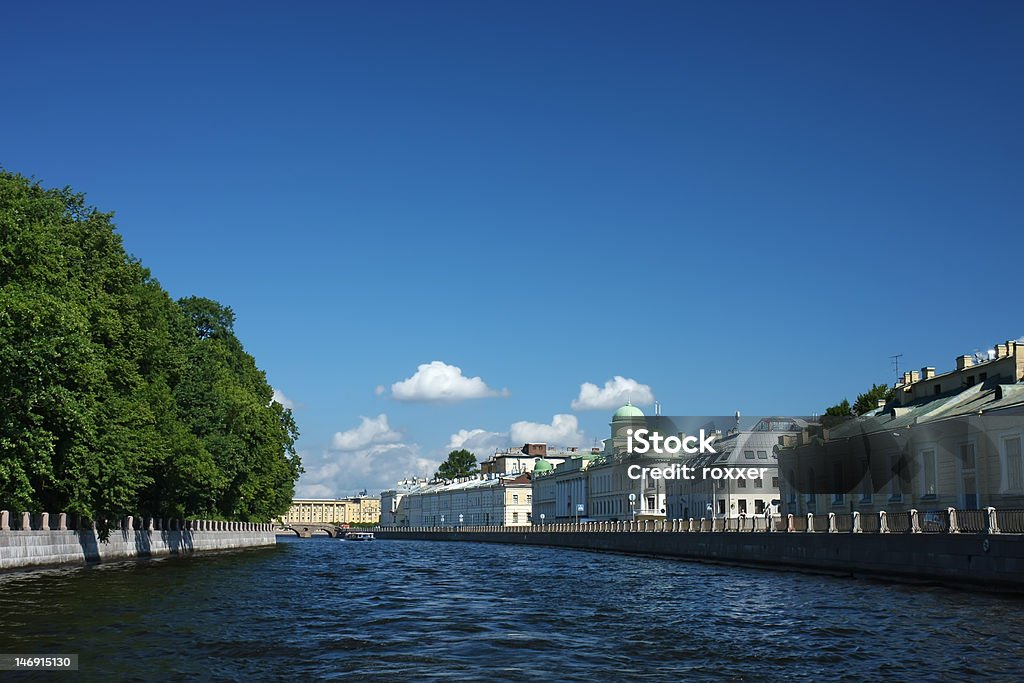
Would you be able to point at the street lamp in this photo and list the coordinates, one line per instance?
(542, 517)
(632, 505)
(442, 520)
(460, 519)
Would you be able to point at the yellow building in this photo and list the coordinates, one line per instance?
(333, 511)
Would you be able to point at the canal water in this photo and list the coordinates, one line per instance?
(415, 610)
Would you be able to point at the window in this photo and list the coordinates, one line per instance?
(742, 506)
(929, 470)
(865, 488)
(650, 502)
(896, 483)
(775, 482)
(982, 377)
(515, 499)
(758, 483)
(529, 499)
(838, 497)
(970, 381)
(515, 517)
(762, 455)
(1012, 464)
(759, 507)
(741, 483)
(968, 476)
(749, 455)
(938, 389)
(721, 506)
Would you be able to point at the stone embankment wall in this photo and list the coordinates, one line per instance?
(985, 560)
(39, 540)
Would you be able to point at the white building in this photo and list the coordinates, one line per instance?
(484, 499)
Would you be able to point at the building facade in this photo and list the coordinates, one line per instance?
(356, 510)
(740, 448)
(949, 440)
(483, 499)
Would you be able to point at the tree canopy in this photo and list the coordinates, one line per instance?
(865, 403)
(460, 463)
(868, 401)
(114, 398)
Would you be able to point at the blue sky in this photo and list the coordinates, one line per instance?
(739, 205)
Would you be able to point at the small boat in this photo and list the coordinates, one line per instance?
(359, 536)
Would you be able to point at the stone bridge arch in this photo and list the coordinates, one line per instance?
(307, 530)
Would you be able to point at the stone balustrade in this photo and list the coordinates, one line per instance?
(26, 521)
(948, 521)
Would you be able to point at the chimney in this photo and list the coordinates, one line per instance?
(964, 362)
(927, 373)
(1011, 348)
(914, 377)
(906, 377)
(1000, 350)
(881, 403)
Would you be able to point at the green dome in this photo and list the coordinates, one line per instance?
(542, 465)
(627, 412)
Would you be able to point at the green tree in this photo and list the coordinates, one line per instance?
(460, 463)
(868, 401)
(114, 399)
(836, 414)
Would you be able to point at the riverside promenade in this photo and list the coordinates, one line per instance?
(960, 549)
(28, 540)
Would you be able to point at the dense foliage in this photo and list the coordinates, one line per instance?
(115, 399)
(460, 463)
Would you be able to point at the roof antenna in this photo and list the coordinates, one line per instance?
(896, 362)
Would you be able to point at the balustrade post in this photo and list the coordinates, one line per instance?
(856, 522)
(5, 520)
(832, 523)
(915, 522)
(62, 521)
(790, 524)
(26, 521)
(810, 522)
(991, 521)
(44, 521)
(150, 525)
(883, 522)
(954, 526)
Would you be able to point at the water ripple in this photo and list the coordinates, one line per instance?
(392, 610)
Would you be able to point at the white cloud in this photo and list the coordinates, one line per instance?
(481, 442)
(440, 382)
(374, 468)
(379, 391)
(282, 399)
(616, 391)
(370, 431)
(564, 430)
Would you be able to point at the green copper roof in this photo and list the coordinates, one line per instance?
(542, 465)
(627, 411)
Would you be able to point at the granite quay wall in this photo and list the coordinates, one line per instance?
(988, 559)
(38, 540)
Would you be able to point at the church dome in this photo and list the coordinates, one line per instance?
(542, 465)
(627, 412)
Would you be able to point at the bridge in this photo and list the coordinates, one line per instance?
(307, 530)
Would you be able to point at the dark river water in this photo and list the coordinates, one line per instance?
(422, 611)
